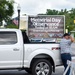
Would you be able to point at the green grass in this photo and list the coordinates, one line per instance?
(12, 26)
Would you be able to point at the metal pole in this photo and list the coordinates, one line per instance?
(18, 19)
(18, 9)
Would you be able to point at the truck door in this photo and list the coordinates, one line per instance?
(10, 51)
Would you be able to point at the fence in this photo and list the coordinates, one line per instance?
(71, 65)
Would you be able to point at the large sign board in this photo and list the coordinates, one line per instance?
(42, 26)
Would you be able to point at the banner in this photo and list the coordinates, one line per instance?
(51, 26)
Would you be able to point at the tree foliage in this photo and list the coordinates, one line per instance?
(69, 17)
(6, 9)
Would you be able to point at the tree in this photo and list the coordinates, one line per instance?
(52, 12)
(6, 10)
(69, 17)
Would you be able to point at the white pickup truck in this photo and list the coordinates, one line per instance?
(16, 52)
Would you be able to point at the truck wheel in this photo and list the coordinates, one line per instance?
(28, 70)
(41, 67)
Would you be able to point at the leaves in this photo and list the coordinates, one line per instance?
(69, 17)
(51, 12)
(6, 9)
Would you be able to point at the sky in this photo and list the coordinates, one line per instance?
(34, 7)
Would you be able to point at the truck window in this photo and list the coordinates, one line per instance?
(25, 38)
(7, 38)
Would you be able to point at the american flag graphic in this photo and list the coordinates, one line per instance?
(15, 21)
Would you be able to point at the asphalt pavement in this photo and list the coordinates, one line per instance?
(59, 71)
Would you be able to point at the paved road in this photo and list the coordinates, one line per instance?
(59, 71)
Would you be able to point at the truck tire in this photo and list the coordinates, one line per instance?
(28, 70)
(41, 67)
